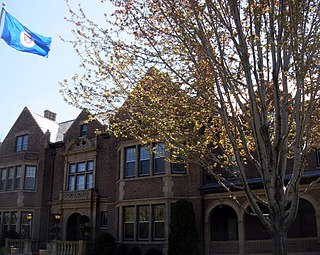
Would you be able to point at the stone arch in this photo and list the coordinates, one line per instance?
(229, 206)
(253, 227)
(305, 223)
(228, 202)
(73, 229)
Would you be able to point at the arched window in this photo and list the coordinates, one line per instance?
(254, 229)
(305, 223)
(223, 224)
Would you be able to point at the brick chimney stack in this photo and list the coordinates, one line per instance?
(50, 115)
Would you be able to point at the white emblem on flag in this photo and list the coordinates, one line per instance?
(26, 40)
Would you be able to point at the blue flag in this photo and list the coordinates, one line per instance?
(23, 39)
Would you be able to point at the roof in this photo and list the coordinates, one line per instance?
(57, 130)
(46, 124)
(256, 181)
(63, 128)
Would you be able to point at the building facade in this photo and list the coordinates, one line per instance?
(66, 181)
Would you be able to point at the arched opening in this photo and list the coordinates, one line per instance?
(304, 224)
(223, 224)
(73, 227)
(254, 229)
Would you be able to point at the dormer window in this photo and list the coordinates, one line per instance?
(83, 130)
(22, 143)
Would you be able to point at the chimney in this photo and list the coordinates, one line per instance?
(50, 115)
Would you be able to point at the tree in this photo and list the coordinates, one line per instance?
(223, 83)
(183, 237)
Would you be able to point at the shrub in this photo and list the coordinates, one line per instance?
(104, 244)
(153, 251)
(12, 235)
(183, 237)
(122, 250)
(134, 251)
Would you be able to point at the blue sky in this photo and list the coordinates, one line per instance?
(31, 80)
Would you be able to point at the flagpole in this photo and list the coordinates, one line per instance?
(2, 11)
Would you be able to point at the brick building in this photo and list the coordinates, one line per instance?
(67, 170)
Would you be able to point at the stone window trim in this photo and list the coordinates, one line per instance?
(143, 222)
(80, 175)
(16, 220)
(17, 177)
(129, 166)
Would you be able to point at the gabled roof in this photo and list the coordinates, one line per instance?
(46, 124)
(57, 130)
(63, 127)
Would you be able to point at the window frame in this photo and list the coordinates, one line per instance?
(141, 222)
(33, 177)
(3, 179)
(17, 177)
(154, 222)
(10, 178)
(145, 151)
(77, 170)
(104, 219)
(129, 222)
(150, 221)
(318, 157)
(83, 130)
(157, 156)
(128, 174)
(22, 143)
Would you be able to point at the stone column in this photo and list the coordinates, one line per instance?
(27, 246)
(241, 236)
(318, 226)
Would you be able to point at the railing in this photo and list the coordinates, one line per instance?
(68, 247)
(76, 195)
(56, 247)
(20, 245)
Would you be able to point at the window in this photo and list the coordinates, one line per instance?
(144, 161)
(3, 179)
(80, 176)
(10, 178)
(318, 157)
(26, 224)
(128, 223)
(13, 221)
(148, 162)
(130, 161)
(30, 177)
(159, 159)
(83, 130)
(22, 143)
(17, 180)
(178, 167)
(158, 221)
(139, 220)
(143, 222)
(6, 222)
(104, 219)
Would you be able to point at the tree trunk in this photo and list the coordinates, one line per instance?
(279, 242)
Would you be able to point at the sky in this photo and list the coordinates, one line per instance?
(31, 80)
